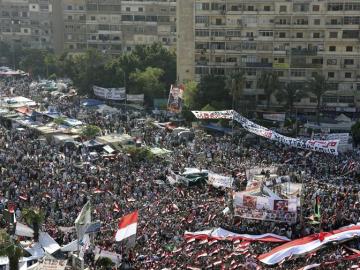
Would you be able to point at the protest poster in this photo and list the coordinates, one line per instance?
(110, 93)
(175, 101)
(218, 180)
(265, 208)
(135, 98)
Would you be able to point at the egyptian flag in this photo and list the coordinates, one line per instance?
(317, 207)
(308, 244)
(127, 226)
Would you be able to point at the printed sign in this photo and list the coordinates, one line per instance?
(175, 101)
(218, 180)
(110, 93)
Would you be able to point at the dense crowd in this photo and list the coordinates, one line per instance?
(60, 180)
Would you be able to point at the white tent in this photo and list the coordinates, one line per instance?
(48, 243)
(23, 230)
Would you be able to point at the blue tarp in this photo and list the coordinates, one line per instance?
(217, 128)
(91, 102)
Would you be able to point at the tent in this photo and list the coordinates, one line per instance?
(91, 102)
(343, 118)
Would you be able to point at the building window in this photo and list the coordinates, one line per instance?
(298, 73)
(333, 35)
(315, 8)
(299, 35)
(329, 99)
(282, 35)
(316, 35)
(348, 62)
(283, 8)
(346, 99)
(248, 84)
(348, 75)
(331, 74)
(128, 9)
(332, 48)
(92, 18)
(331, 62)
(140, 9)
(317, 21)
(267, 8)
(349, 48)
(250, 8)
(69, 7)
(281, 60)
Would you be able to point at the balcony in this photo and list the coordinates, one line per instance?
(308, 52)
(259, 64)
(305, 65)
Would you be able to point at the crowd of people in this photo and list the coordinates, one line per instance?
(42, 174)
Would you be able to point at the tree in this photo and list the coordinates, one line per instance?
(191, 95)
(355, 132)
(148, 82)
(34, 218)
(270, 83)
(290, 93)
(33, 62)
(60, 121)
(9, 248)
(317, 85)
(90, 131)
(235, 85)
(210, 92)
(138, 154)
(104, 263)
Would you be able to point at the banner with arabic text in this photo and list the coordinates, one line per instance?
(324, 146)
(218, 180)
(110, 93)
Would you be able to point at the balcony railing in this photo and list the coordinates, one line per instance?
(295, 51)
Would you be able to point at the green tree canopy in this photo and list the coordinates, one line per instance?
(191, 95)
(290, 93)
(270, 83)
(148, 82)
(355, 132)
(34, 218)
(235, 84)
(211, 90)
(317, 86)
(11, 249)
(90, 131)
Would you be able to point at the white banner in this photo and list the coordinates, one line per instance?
(324, 146)
(218, 180)
(135, 98)
(213, 114)
(280, 117)
(110, 93)
(327, 146)
(342, 137)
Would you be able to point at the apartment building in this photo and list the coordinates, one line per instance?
(115, 26)
(293, 38)
(26, 23)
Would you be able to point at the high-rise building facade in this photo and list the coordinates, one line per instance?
(27, 23)
(293, 38)
(116, 26)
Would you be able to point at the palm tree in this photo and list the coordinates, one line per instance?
(270, 83)
(104, 263)
(235, 85)
(9, 249)
(317, 85)
(290, 93)
(34, 218)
